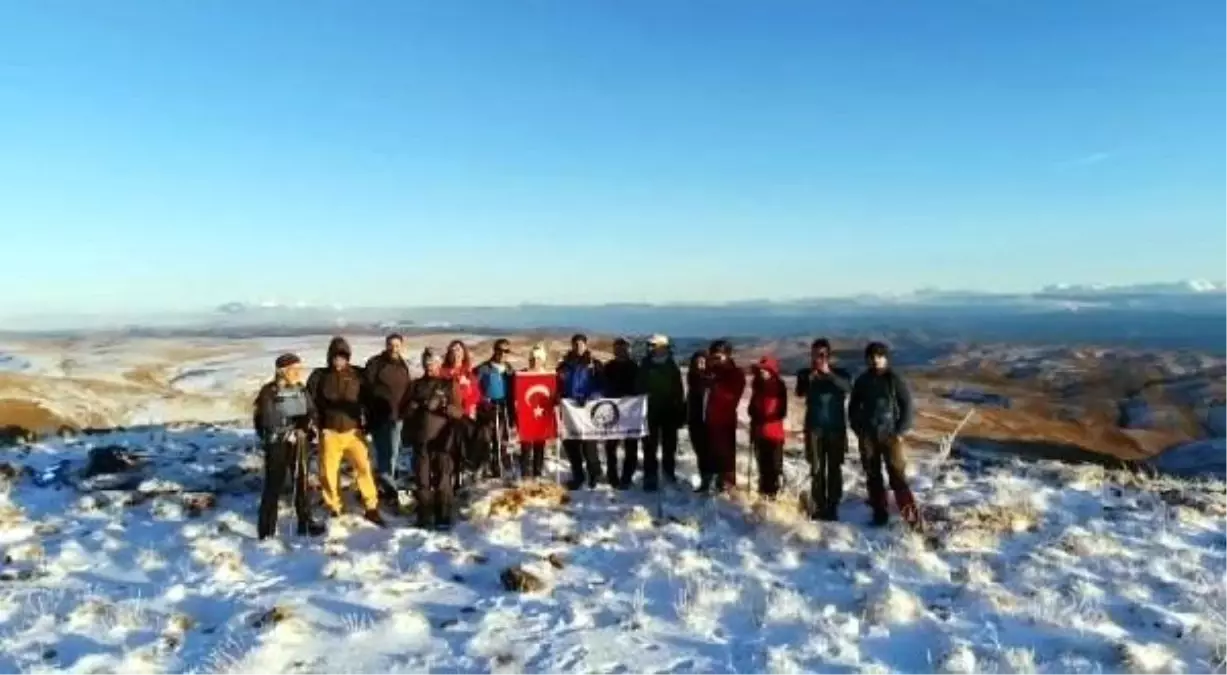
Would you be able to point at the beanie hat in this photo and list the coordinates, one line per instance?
(286, 360)
(429, 356)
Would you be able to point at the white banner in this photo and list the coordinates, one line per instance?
(605, 419)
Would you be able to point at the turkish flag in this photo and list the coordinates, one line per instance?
(536, 394)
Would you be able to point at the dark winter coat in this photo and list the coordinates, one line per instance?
(768, 403)
(431, 406)
(338, 395)
(387, 380)
(279, 409)
(825, 395)
(881, 405)
(579, 377)
(620, 378)
(726, 384)
(662, 382)
(696, 396)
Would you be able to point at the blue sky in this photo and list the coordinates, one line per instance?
(179, 154)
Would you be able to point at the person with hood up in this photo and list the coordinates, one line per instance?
(661, 380)
(494, 378)
(387, 381)
(282, 421)
(768, 410)
(880, 412)
(579, 379)
(532, 455)
(432, 409)
(338, 391)
(725, 384)
(696, 412)
(458, 365)
(621, 378)
(825, 388)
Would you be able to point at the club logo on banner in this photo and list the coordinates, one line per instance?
(605, 419)
(536, 418)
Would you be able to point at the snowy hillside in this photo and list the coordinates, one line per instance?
(1027, 568)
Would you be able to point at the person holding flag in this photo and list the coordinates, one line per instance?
(579, 379)
(534, 399)
(621, 379)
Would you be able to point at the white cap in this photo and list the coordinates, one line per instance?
(658, 340)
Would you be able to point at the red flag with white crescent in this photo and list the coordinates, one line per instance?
(536, 394)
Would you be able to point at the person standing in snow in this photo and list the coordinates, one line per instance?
(661, 380)
(621, 378)
(458, 365)
(432, 409)
(387, 381)
(768, 410)
(880, 412)
(338, 391)
(282, 421)
(825, 388)
(532, 455)
(725, 384)
(696, 426)
(494, 386)
(579, 379)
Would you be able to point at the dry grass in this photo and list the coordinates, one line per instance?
(510, 503)
(30, 415)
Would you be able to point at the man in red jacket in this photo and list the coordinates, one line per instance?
(725, 385)
(768, 409)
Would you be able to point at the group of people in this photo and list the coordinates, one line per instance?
(457, 417)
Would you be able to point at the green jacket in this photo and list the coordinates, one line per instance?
(662, 382)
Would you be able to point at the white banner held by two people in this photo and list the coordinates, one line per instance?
(605, 419)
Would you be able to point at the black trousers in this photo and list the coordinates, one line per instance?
(434, 494)
(663, 436)
(532, 459)
(630, 461)
(283, 459)
(702, 452)
(580, 453)
(769, 456)
(825, 450)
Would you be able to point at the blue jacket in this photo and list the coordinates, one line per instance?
(495, 386)
(579, 377)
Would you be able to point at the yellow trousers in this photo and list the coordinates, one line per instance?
(334, 446)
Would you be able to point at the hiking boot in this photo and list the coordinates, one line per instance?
(880, 519)
(265, 535)
(311, 528)
(374, 517)
(592, 483)
(575, 483)
(650, 485)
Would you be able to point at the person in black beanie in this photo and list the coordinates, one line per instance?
(282, 421)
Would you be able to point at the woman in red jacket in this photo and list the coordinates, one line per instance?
(725, 385)
(459, 366)
(768, 410)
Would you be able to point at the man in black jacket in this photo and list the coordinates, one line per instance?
(337, 392)
(432, 409)
(880, 412)
(387, 380)
(825, 388)
(282, 421)
(621, 379)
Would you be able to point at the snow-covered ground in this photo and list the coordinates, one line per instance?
(1027, 568)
